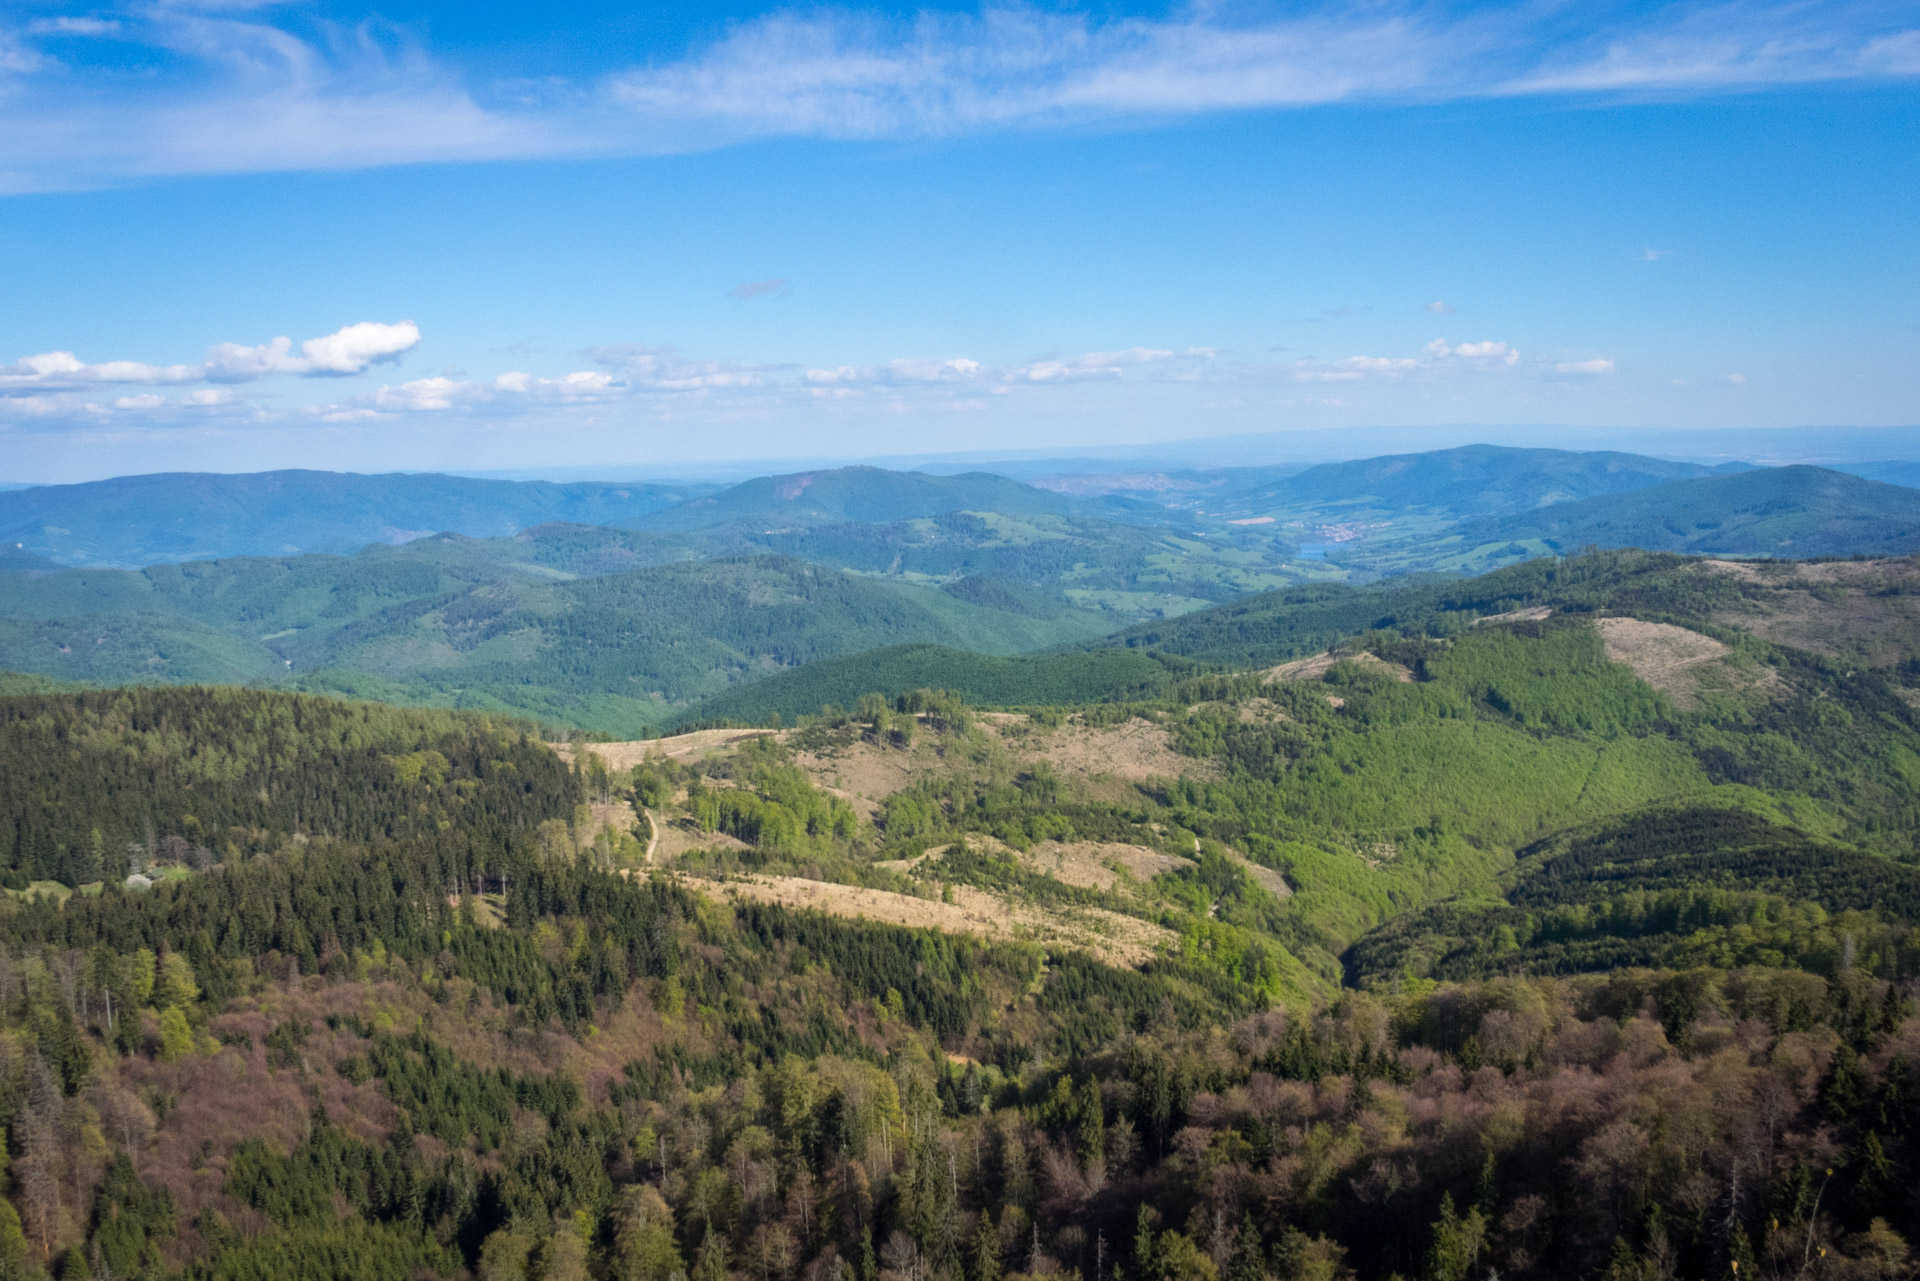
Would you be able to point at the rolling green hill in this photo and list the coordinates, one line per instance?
(443, 625)
(1128, 571)
(982, 680)
(1865, 611)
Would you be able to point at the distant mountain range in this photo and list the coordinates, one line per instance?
(1889, 473)
(1790, 512)
(144, 520)
(626, 608)
(1472, 481)
(858, 495)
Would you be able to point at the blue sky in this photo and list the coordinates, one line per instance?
(242, 235)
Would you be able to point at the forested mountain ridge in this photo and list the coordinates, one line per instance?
(1775, 511)
(1450, 919)
(863, 495)
(975, 562)
(211, 774)
(620, 650)
(1868, 608)
(1470, 481)
(142, 520)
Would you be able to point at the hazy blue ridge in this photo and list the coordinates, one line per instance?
(1894, 472)
(142, 520)
(855, 494)
(1471, 480)
(1794, 512)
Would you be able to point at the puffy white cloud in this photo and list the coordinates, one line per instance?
(346, 351)
(1596, 366)
(349, 350)
(419, 394)
(1497, 353)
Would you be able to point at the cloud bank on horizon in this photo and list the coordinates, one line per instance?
(188, 87)
(58, 390)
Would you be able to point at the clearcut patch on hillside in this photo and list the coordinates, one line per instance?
(1534, 614)
(1097, 864)
(1108, 936)
(1134, 751)
(1864, 609)
(1316, 666)
(686, 747)
(1682, 664)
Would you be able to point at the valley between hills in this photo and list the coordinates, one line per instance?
(814, 882)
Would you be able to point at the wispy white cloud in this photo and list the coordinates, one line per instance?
(1103, 365)
(1595, 366)
(665, 369)
(775, 288)
(1730, 46)
(231, 91)
(68, 26)
(1436, 358)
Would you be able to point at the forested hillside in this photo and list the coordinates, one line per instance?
(1023, 681)
(1354, 966)
(619, 650)
(619, 630)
